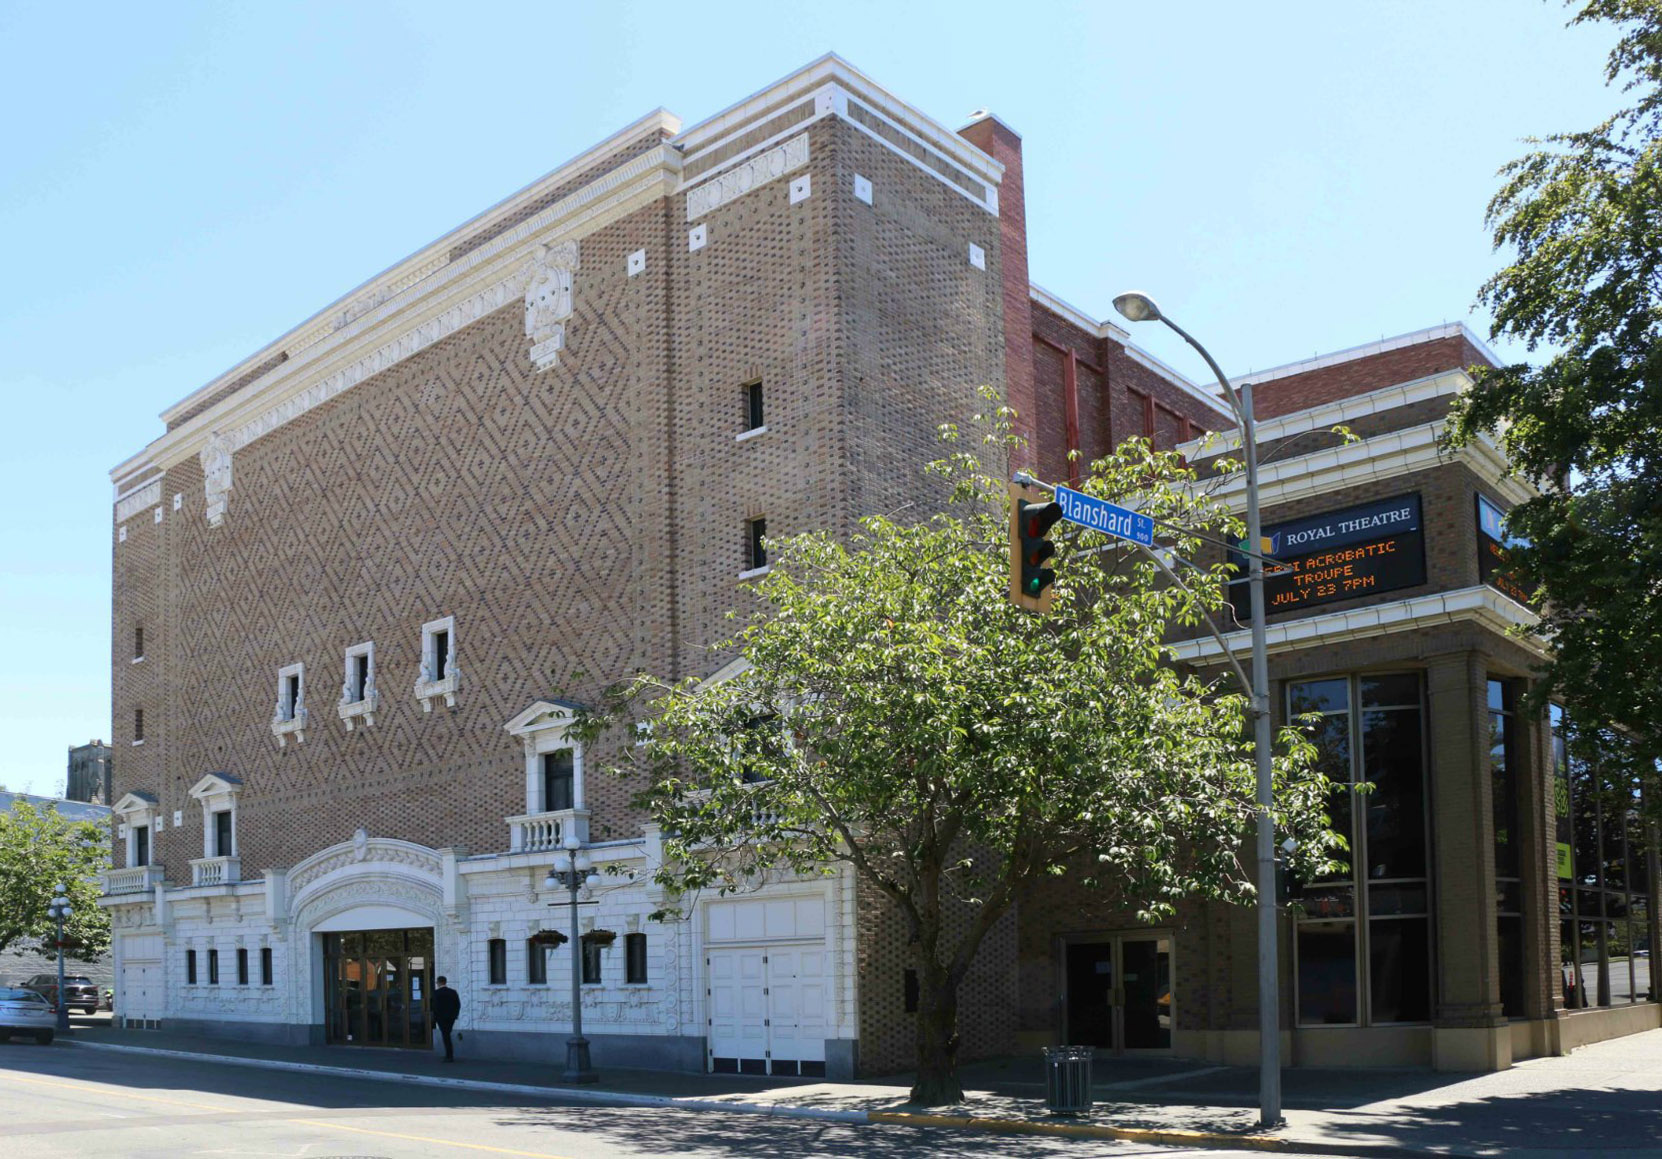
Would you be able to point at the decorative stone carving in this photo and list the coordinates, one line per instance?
(216, 474)
(295, 723)
(548, 301)
(741, 179)
(360, 844)
(131, 504)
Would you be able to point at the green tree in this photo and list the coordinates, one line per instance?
(1582, 213)
(901, 717)
(41, 849)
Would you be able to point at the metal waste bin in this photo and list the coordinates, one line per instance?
(1068, 1079)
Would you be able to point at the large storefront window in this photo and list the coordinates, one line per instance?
(1504, 766)
(1605, 889)
(1364, 936)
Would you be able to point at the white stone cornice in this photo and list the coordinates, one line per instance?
(1385, 456)
(1481, 605)
(1331, 414)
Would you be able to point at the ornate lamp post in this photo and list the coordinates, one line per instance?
(1141, 308)
(58, 911)
(571, 871)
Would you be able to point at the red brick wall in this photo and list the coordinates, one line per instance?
(1279, 396)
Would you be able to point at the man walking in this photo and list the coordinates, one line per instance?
(447, 1007)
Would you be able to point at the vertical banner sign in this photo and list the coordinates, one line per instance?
(1359, 551)
(1492, 542)
(1562, 836)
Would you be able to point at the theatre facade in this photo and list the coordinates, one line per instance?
(365, 577)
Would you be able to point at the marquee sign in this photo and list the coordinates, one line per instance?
(1492, 542)
(1358, 551)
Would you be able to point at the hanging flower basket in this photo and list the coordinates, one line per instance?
(600, 937)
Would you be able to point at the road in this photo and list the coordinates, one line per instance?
(62, 1101)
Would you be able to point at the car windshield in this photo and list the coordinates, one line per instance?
(77, 981)
(10, 995)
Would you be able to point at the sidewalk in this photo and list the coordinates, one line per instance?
(1606, 1097)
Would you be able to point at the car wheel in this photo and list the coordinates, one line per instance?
(89, 1010)
(44, 1037)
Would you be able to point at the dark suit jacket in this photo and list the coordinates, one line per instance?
(447, 1005)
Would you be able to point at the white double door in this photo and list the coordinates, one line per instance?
(142, 988)
(767, 1009)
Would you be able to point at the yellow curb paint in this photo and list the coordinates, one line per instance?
(1086, 1131)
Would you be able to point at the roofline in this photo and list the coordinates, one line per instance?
(1105, 329)
(1368, 349)
(660, 118)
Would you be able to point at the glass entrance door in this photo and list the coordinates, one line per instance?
(377, 987)
(1119, 994)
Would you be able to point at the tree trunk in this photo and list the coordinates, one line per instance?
(937, 1030)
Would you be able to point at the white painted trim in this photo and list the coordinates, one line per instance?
(756, 572)
(289, 717)
(751, 433)
(1385, 456)
(1482, 605)
(427, 687)
(1367, 350)
(349, 710)
(1330, 414)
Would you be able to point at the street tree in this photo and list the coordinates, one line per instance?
(41, 849)
(1582, 215)
(897, 716)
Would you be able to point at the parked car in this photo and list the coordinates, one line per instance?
(79, 992)
(109, 999)
(26, 1012)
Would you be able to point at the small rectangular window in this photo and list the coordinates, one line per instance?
(213, 967)
(222, 833)
(753, 406)
(141, 845)
(591, 962)
(138, 724)
(634, 953)
(498, 962)
(290, 695)
(138, 642)
(190, 967)
(265, 965)
(441, 654)
(536, 962)
(758, 557)
(242, 966)
(558, 781)
(360, 675)
(910, 984)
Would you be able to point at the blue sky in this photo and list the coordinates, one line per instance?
(180, 183)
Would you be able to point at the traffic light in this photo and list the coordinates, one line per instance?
(1031, 518)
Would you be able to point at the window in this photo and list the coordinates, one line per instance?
(1363, 942)
(759, 747)
(1605, 928)
(536, 961)
(138, 642)
(1504, 762)
(138, 726)
(439, 673)
(289, 717)
(753, 420)
(757, 557)
(558, 781)
(242, 966)
(634, 958)
(190, 967)
(358, 696)
(140, 846)
(265, 965)
(498, 962)
(223, 844)
(591, 960)
(213, 967)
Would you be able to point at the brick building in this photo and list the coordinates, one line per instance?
(539, 454)
(88, 777)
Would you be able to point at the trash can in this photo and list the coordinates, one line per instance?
(1068, 1079)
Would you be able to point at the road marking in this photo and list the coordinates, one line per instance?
(428, 1139)
(89, 1088)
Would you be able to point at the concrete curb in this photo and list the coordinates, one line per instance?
(1166, 1137)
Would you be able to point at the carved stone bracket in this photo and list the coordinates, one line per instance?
(216, 474)
(548, 301)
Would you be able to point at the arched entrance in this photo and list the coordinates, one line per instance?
(377, 987)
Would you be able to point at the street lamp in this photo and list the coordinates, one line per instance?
(58, 911)
(571, 871)
(1139, 307)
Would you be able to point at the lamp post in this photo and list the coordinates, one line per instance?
(1139, 307)
(58, 911)
(571, 871)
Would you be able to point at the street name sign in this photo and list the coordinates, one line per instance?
(1100, 515)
